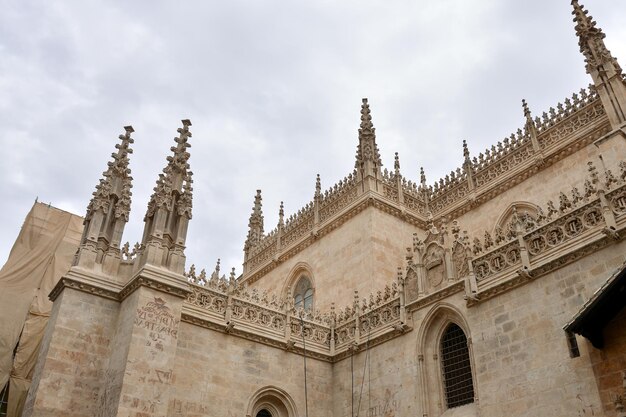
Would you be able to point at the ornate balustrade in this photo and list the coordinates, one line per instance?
(554, 130)
(500, 260)
(226, 306)
(578, 226)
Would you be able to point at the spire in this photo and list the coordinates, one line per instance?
(216, 272)
(424, 188)
(255, 229)
(108, 210)
(175, 174)
(169, 209)
(601, 65)
(467, 166)
(367, 149)
(368, 161)
(115, 180)
(255, 224)
(530, 128)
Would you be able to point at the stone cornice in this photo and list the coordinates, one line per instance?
(434, 297)
(158, 279)
(150, 277)
(86, 281)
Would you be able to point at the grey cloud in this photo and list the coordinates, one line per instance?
(273, 90)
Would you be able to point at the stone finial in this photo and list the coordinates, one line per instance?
(281, 214)
(367, 150)
(255, 224)
(108, 211)
(527, 113)
(216, 272)
(185, 201)
(422, 177)
(367, 128)
(396, 164)
(593, 173)
(604, 69)
(169, 209)
(466, 154)
(530, 130)
(116, 180)
(175, 174)
(318, 186)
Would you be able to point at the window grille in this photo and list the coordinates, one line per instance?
(303, 294)
(4, 400)
(457, 370)
(263, 413)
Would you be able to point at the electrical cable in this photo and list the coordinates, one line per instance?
(306, 400)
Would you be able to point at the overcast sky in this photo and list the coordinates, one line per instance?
(273, 89)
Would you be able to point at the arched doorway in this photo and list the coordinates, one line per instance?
(271, 402)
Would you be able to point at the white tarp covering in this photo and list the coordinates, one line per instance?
(40, 256)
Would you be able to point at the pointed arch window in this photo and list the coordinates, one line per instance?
(457, 369)
(303, 293)
(264, 413)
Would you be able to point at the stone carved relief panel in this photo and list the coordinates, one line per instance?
(435, 266)
(410, 283)
(460, 259)
(522, 213)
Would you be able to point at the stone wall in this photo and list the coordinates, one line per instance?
(362, 254)
(72, 361)
(217, 374)
(522, 359)
(522, 365)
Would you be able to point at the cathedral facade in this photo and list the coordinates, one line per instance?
(495, 291)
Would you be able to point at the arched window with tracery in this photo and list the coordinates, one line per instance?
(457, 369)
(303, 293)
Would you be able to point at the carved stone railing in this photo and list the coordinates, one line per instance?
(500, 260)
(257, 318)
(208, 299)
(265, 254)
(580, 225)
(228, 307)
(497, 166)
(337, 199)
(316, 335)
(563, 229)
(371, 325)
(451, 195)
(554, 130)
